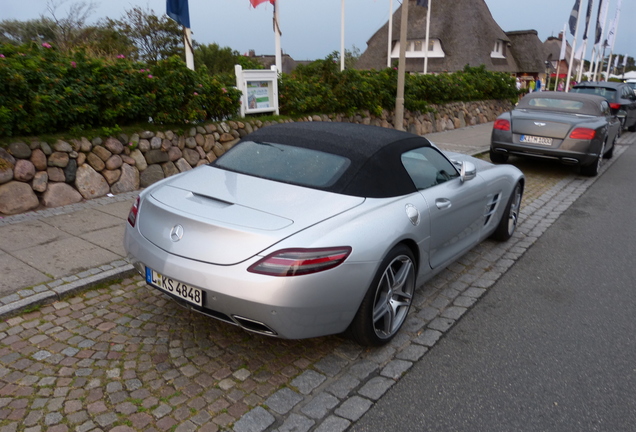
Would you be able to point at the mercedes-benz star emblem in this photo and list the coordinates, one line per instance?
(176, 233)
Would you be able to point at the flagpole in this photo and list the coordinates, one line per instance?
(615, 28)
(428, 25)
(398, 121)
(342, 37)
(580, 74)
(279, 57)
(576, 34)
(598, 49)
(189, 54)
(389, 43)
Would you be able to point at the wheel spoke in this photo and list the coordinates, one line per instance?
(394, 296)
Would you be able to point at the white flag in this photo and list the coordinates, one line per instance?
(563, 43)
(624, 60)
(611, 37)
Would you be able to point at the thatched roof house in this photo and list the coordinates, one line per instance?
(552, 47)
(463, 32)
(528, 51)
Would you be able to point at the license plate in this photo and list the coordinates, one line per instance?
(531, 139)
(174, 287)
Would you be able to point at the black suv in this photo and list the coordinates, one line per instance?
(620, 96)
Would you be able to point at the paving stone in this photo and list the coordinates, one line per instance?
(256, 420)
(333, 424)
(396, 368)
(353, 408)
(308, 381)
(283, 400)
(319, 405)
(376, 387)
(343, 386)
(296, 423)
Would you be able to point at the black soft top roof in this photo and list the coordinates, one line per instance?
(376, 170)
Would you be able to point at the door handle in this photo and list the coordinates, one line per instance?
(443, 203)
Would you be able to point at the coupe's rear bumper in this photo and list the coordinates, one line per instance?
(294, 307)
(566, 157)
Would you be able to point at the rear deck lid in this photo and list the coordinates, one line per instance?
(222, 217)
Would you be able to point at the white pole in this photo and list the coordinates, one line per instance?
(187, 41)
(580, 74)
(615, 25)
(576, 34)
(602, 42)
(399, 100)
(279, 56)
(389, 43)
(428, 26)
(342, 30)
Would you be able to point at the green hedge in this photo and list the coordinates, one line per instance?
(44, 91)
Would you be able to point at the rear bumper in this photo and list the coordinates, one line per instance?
(287, 307)
(566, 157)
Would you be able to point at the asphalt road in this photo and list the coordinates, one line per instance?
(552, 346)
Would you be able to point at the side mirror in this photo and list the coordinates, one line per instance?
(468, 171)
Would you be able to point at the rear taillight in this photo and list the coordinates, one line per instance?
(615, 106)
(502, 124)
(295, 262)
(132, 214)
(583, 134)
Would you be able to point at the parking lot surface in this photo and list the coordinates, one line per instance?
(118, 355)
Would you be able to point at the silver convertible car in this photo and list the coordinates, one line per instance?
(309, 229)
(573, 128)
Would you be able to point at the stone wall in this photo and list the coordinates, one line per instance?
(35, 174)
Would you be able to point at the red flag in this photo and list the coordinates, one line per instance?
(257, 2)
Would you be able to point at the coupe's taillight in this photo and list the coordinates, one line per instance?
(615, 106)
(132, 214)
(295, 262)
(583, 133)
(502, 124)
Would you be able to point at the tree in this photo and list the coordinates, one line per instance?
(70, 31)
(21, 32)
(154, 38)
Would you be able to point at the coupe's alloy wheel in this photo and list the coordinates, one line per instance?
(594, 168)
(387, 301)
(513, 212)
(393, 297)
(510, 218)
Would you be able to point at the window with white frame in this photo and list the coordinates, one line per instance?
(499, 51)
(415, 49)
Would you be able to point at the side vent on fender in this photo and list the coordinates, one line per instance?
(490, 208)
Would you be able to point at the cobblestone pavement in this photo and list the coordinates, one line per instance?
(123, 357)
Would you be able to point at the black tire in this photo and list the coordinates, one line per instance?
(388, 300)
(610, 153)
(632, 128)
(510, 218)
(592, 169)
(498, 158)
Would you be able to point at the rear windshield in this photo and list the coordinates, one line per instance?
(283, 163)
(558, 104)
(607, 93)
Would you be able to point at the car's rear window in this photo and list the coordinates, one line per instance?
(607, 93)
(288, 164)
(559, 104)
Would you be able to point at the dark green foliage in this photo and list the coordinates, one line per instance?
(45, 91)
(321, 87)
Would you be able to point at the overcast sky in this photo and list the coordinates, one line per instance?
(311, 28)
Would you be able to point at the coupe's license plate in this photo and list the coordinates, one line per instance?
(174, 287)
(531, 139)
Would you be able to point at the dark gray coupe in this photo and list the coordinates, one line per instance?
(573, 128)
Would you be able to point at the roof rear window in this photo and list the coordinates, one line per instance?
(607, 93)
(283, 163)
(558, 104)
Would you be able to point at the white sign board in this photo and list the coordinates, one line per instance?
(259, 88)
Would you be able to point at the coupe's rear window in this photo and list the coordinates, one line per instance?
(279, 162)
(558, 104)
(607, 93)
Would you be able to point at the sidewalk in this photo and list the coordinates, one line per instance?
(51, 253)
